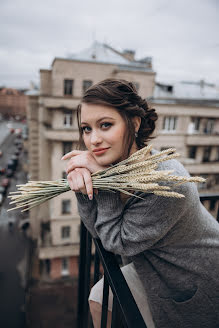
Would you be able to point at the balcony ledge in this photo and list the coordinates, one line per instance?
(51, 252)
(61, 135)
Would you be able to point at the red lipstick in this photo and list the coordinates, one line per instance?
(100, 151)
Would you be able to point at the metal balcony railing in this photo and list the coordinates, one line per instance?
(213, 202)
(125, 312)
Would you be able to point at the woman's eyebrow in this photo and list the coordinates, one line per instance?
(102, 118)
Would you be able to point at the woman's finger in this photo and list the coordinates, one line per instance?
(70, 178)
(71, 154)
(87, 181)
(70, 167)
(80, 182)
(75, 182)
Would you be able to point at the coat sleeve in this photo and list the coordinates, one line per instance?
(87, 210)
(131, 229)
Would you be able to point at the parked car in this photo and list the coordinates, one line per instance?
(3, 190)
(11, 165)
(9, 173)
(17, 142)
(5, 182)
(14, 158)
(2, 170)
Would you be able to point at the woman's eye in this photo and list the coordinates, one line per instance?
(85, 129)
(105, 125)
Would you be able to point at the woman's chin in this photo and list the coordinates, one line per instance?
(105, 161)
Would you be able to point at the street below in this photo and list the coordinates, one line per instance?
(14, 245)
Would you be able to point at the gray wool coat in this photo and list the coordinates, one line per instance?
(173, 243)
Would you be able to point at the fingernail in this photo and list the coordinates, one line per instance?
(90, 197)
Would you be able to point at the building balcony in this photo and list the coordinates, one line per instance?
(46, 250)
(51, 252)
(59, 101)
(61, 135)
(201, 168)
(202, 140)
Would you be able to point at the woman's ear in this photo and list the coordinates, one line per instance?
(137, 122)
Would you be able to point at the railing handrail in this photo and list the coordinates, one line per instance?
(211, 196)
(119, 287)
(130, 313)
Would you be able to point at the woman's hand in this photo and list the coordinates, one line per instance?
(79, 159)
(80, 180)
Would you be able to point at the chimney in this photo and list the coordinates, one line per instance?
(129, 54)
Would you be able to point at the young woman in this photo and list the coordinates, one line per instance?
(170, 246)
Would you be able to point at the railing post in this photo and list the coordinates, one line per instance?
(81, 276)
(87, 280)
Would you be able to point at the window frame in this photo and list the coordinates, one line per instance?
(169, 123)
(206, 154)
(84, 87)
(66, 232)
(65, 266)
(68, 119)
(66, 147)
(192, 152)
(68, 87)
(66, 206)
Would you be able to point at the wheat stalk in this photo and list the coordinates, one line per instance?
(136, 173)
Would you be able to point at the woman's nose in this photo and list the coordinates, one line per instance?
(95, 138)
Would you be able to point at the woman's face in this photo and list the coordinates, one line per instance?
(104, 133)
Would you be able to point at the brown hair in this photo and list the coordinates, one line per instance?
(123, 96)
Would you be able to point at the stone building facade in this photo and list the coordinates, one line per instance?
(188, 120)
(53, 132)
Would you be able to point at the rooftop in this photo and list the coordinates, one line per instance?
(103, 53)
(199, 92)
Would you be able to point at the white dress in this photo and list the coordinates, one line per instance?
(137, 291)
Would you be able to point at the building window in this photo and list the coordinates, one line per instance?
(66, 147)
(86, 84)
(192, 152)
(67, 119)
(209, 126)
(66, 206)
(65, 266)
(196, 123)
(206, 154)
(169, 123)
(65, 232)
(47, 266)
(68, 87)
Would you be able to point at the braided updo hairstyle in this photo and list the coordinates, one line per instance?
(123, 96)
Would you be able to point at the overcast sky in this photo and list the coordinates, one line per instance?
(182, 36)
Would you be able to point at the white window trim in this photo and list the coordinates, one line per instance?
(62, 232)
(170, 124)
(68, 120)
(65, 271)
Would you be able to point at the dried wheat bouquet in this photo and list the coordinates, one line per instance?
(136, 173)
